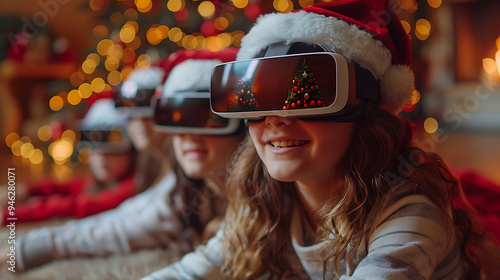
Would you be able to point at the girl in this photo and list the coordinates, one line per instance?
(328, 184)
(175, 211)
(112, 167)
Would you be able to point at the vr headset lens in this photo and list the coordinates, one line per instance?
(112, 140)
(292, 85)
(190, 113)
(128, 95)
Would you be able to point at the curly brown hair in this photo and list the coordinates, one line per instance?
(258, 216)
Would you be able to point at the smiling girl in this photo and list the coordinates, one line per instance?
(328, 185)
(175, 212)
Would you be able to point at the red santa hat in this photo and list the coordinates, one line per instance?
(190, 70)
(104, 127)
(365, 31)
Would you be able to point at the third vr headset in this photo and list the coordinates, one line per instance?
(317, 86)
(189, 112)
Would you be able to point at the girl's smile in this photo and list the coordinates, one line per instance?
(283, 145)
(289, 147)
(194, 152)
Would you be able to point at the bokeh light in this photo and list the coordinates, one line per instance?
(114, 78)
(36, 157)
(143, 61)
(97, 5)
(406, 26)
(11, 138)
(154, 35)
(100, 31)
(206, 9)
(85, 90)
(112, 63)
(175, 34)
(434, 3)
(415, 97)
(88, 66)
(489, 65)
(56, 103)
(27, 150)
(221, 23)
(16, 147)
(97, 85)
(240, 3)
(76, 78)
(135, 44)
(44, 133)
(422, 29)
(430, 125)
(74, 97)
(409, 5)
(306, 3)
(143, 6)
(104, 47)
(175, 5)
(127, 33)
(237, 36)
(60, 150)
(283, 6)
(69, 135)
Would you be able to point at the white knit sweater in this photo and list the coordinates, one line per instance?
(410, 241)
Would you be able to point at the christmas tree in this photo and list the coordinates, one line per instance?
(304, 92)
(243, 98)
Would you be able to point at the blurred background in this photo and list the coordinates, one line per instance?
(56, 56)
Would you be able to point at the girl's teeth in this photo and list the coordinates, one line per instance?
(287, 143)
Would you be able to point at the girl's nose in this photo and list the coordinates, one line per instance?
(278, 121)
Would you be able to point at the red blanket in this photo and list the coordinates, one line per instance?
(484, 195)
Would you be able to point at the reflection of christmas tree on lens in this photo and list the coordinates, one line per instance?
(304, 92)
(243, 98)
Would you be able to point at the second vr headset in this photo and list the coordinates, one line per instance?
(189, 112)
(313, 86)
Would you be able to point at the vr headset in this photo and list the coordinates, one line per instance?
(189, 112)
(114, 140)
(314, 86)
(133, 100)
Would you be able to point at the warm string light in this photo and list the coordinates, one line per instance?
(491, 66)
(60, 150)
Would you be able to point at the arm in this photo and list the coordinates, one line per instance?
(48, 187)
(76, 206)
(411, 240)
(143, 221)
(204, 263)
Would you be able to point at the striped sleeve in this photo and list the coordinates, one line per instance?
(412, 239)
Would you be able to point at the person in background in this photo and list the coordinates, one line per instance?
(329, 185)
(135, 98)
(112, 167)
(175, 212)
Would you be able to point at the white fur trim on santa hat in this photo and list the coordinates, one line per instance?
(102, 115)
(146, 78)
(190, 75)
(331, 33)
(397, 86)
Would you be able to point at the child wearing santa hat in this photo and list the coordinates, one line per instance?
(328, 185)
(175, 212)
(111, 180)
